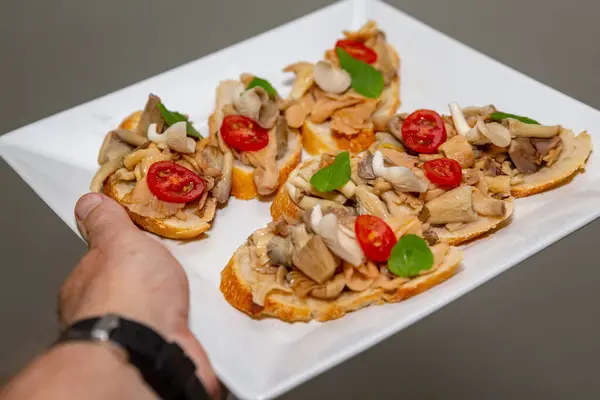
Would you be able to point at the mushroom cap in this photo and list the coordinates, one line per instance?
(331, 79)
(113, 147)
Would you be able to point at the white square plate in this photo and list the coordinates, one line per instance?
(262, 359)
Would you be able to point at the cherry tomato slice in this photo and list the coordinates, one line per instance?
(243, 133)
(445, 172)
(358, 50)
(375, 237)
(424, 131)
(173, 183)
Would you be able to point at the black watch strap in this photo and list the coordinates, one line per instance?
(163, 365)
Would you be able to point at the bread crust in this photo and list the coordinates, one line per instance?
(288, 307)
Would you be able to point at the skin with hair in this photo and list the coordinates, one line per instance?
(125, 272)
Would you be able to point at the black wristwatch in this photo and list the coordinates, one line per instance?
(163, 365)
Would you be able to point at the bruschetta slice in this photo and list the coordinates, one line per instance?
(332, 262)
(168, 178)
(388, 182)
(248, 122)
(511, 151)
(340, 102)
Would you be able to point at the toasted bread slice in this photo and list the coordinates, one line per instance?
(575, 152)
(243, 186)
(236, 286)
(319, 138)
(171, 228)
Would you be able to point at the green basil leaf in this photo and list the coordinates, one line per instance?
(499, 116)
(410, 256)
(263, 83)
(172, 117)
(366, 80)
(334, 176)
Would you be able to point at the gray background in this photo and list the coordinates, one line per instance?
(531, 333)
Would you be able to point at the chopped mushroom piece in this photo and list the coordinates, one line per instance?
(304, 78)
(330, 289)
(280, 250)
(150, 115)
(330, 78)
(340, 240)
(107, 169)
(314, 259)
(175, 137)
(403, 179)
(257, 105)
(459, 149)
(455, 205)
(365, 167)
(487, 206)
(523, 155)
(370, 203)
(521, 129)
(113, 147)
(130, 137)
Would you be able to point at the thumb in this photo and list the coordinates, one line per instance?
(100, 218)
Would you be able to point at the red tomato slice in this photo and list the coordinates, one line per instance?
(243, 133)
(173, 183)
(375, 237)
(424, 131)
(358, 50)
(445, 172)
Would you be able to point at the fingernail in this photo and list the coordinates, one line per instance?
(84, 207)
(86, 204)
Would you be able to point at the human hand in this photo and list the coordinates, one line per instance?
(128, 273)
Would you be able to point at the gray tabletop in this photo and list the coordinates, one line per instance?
(531, 333)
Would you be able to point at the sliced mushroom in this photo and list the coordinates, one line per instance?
(340, 240)
(474, 112)
(130, 137)
(133, 159)
(397, 205)
(403, 179)
(492, 132)
(355, 280)
(385, 61)
(455, 205)
(304, 78)
(308, 188)
(365, 167)
(331, 79)
(256, 104)
(460, 123)
(107, 169)
(222, 189)
(523, 155)
(281, 137)
(175, 137)
(330, 289)
(395, 125)
(431, 237)
(521, 129)
(280, 250)
(369, 203)
(113, 147)
(150, 115)
(348, 189)
(314, 259)
(487, 206)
